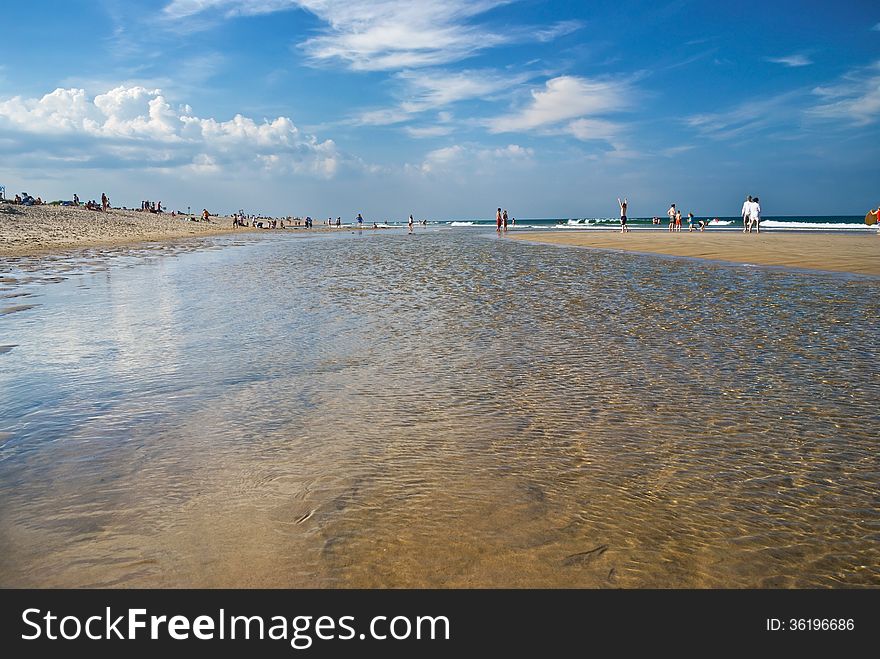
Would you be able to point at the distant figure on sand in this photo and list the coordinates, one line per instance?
(671, 214)
(678, 219)
(360, 220)
(746, 210)
(690, 222)
(205, 215)
(623, 204)
(504, 219)
(338, 221)
(410, 223)
(498, 220)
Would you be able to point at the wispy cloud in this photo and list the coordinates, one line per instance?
(434, 89)
(748, 118)
(557, 30)
(791, 60)
(428, 131)
(138, 127)
(381, 35)
(459, 156)
(876, 28)
(854, 100)
(376, 35)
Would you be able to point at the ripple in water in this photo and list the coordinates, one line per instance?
(443, 409)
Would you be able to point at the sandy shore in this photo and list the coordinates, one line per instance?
(27, 230)
(855, 253)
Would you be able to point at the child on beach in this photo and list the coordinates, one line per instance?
(623, 204)
(690, 222)
(671, 214)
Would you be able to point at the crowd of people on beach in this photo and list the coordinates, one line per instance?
(751, 214)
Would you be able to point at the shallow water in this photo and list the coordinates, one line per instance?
(444, 409)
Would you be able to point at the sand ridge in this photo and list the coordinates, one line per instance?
(857, 253)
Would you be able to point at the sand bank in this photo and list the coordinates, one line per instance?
(855, 253)
(27, 230)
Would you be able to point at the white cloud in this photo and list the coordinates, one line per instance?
(562, 99)
(376, 35)
(381, 35)
(430, 90)
(136, 126)
(876, 28)
(433, 89)
(575, 106)
(459, 157)
(855, 99)
(791, 60)
(747, 118)
(428, 131)
(558, 30)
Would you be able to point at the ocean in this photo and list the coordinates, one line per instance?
(775, 223)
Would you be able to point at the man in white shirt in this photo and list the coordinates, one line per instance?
(745, 212)
(755, 215)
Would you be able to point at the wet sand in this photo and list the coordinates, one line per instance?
(30, 230)
(854, 253)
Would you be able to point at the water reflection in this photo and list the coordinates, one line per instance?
(443, 409)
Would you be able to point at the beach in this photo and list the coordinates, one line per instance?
(857, 254)
(29, 230)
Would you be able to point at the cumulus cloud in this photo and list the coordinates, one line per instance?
(136, 126)
(791, 60)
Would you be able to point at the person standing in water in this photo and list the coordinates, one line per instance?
(504, 219)
(410, 223)
(498, 220)
(671, 214)
(623, 204)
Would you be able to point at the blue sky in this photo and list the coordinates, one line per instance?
(444, 109)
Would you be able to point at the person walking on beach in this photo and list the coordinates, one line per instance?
(755, 216)
(498, 220)
(746, 212)
(410, 223)
(360, 221)
(338, 222)
(671, 214)
(623, 205)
